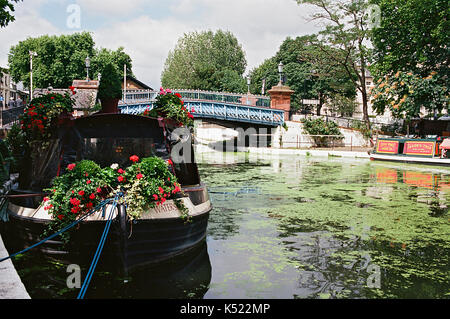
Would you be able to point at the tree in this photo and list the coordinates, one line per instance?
(205, 60)
(61, 59)
(406, 93)
(343, 40)
(412, 36)
(6, 9)
(306, 72)
(411, 47)
(110, 85)
(110, 65)
(342, 105)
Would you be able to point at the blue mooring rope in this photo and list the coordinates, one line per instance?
(59, 232)
(98, 252)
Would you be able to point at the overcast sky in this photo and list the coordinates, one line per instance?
(148, 29)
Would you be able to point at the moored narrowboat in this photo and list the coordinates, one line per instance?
(428, 151)
(158, 234)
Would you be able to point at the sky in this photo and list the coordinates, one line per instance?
(149, 29)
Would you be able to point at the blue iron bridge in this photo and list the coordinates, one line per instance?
(213, 105)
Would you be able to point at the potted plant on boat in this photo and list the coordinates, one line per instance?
(110, 89)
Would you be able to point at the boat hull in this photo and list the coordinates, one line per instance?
(411, 160)
(129, 245)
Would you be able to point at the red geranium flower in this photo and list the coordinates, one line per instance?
(88, 181)
(99, 189)
(134, 158)
(120, 179)
(139, 176)
(71, 167)
(74, 201)
(155, 197)
(60, 217)
(81, 193)
(92, 196)
(120, 171)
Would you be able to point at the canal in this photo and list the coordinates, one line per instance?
(295, 227)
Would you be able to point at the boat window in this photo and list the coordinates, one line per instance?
(401, 147)
(109, 150)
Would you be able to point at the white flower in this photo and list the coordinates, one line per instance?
(115, 166)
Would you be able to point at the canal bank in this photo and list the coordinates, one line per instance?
(309, 152)
(11, 286)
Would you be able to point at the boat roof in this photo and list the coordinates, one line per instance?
(106, 139)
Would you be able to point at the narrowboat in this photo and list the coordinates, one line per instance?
(156, 236)
(427, 151)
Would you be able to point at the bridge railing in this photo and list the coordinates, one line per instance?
(148, 95)
(220, 111)
(10, 116)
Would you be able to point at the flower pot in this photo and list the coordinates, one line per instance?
(110, 105)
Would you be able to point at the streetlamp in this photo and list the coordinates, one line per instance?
(280, 71)
(248, 88)
(88, 65)
(32, 54)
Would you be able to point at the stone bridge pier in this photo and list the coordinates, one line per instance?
(232, 136)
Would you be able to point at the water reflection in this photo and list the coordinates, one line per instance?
(184, 277)
(298, 227)
(318, 227)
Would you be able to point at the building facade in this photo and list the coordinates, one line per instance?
(11, 93)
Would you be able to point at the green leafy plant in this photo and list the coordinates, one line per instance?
(147, 184)
(405, 93)
(323, 131)
(16, 141)
(362, 127)
(110, 85)
(6, 160)
(42, 115)
(170, 105)
(84, 185)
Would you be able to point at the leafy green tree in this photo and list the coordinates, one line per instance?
(342, 105)
(205, 60)
(405, 94)
(344, 39)
(6, 10)
(412, 36)
(61, 59)
(411, 46)
(306, 71)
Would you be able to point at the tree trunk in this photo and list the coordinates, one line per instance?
(319, 107)
(366, 108)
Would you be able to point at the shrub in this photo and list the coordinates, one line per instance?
(323, 128)
(170, 105)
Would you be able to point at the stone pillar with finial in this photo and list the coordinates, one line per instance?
(280, 95)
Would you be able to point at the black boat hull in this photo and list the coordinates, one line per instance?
(144, 242)
(129, 245)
